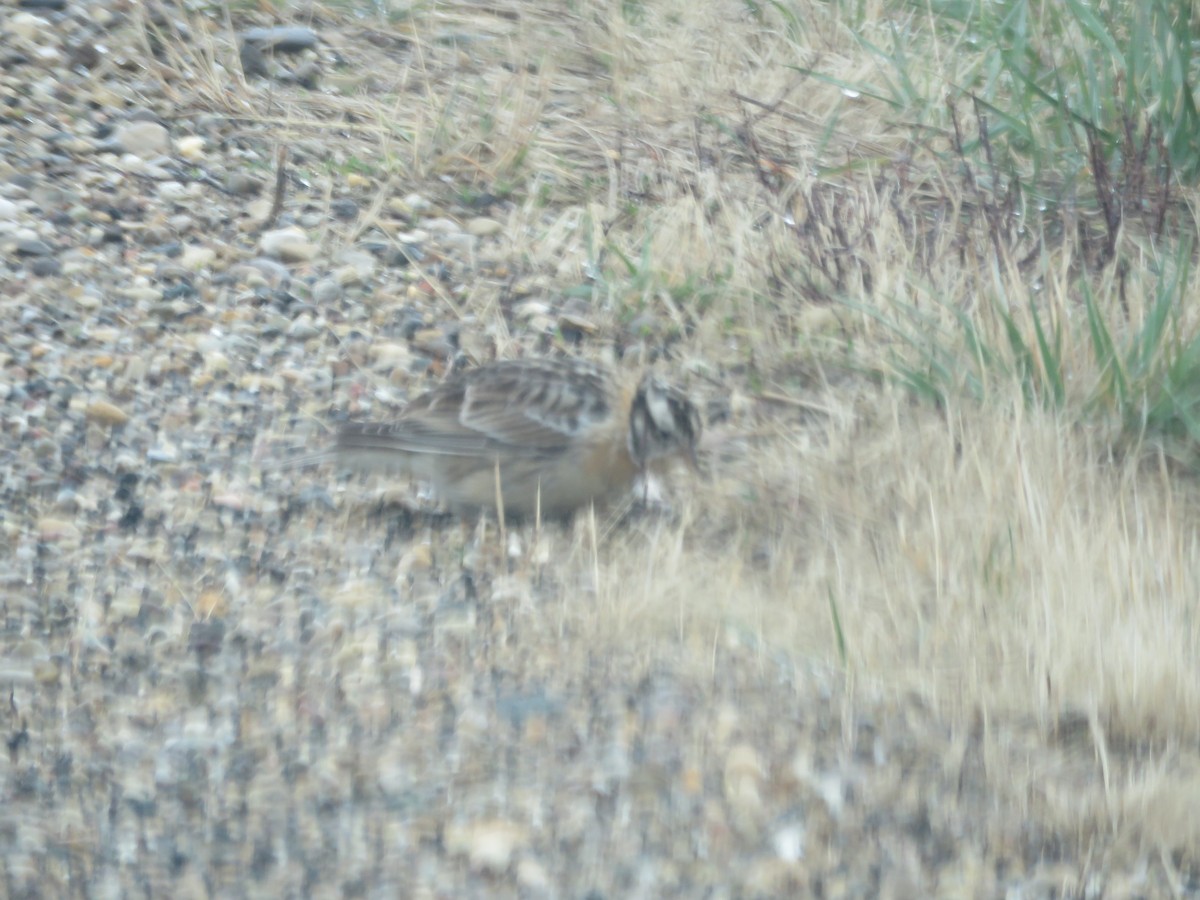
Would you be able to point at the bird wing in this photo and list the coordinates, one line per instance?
(526, 407)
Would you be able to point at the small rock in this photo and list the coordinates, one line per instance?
(126, 604)
(743, 777)
(231, 500)
(253, 60)
(216, 363)
(533, 877)
(344, 208)
(100, 15)
(344, 276)
(172, 191)
(83, 55)
(162, 453)
(489, 845)
(190, 147)
(326, 291)
(289, 244)
(571, 322)
(303, 328)
(105, 413)
(90, 298)
(205, 637)
(33, 247)
(441, 226)
(274, 273)
(484, 227)
(26, 28)
(196, 258)
(142, 139)
(390, 355)
(531, 309)
(399, 208)
(47, 55)
(458, 241)
(434, 342)
(51, 530)
(417, 203)
(243, 184)
(16, 671)
(46, 267)
(788, 841)
(360, 261)
(282, 39)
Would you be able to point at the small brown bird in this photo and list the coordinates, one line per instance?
(562, 432)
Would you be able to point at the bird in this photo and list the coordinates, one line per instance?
(529, 436)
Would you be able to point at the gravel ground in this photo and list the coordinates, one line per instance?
(226, 677)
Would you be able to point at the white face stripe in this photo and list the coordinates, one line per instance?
(659, 407)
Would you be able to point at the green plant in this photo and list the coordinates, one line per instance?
(1143, 374)
(1084, 113)
(1151, 380)
(978, 350)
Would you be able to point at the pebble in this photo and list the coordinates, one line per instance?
(326, 291)
(190, 147)
(243, 184)
(344, 208)
(441, 226)
(282, 39)
(33, 247)
(788, 841)
(362, 263)
(27, 29)
(458, 241)
(488, 845)
(162, 453)
(289, 244)
(303, 328)
(571, 322)
(144, 139)
(253, 60)
(175, 192)
(61, 530)
(743, 778)
(484, 227)
(46, 267)
(390, 355)
(532, 876)
(106, 413)
(273, 271)
(195, 258)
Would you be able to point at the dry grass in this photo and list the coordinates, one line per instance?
(994, 562)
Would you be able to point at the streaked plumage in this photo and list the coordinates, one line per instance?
(570, 427)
